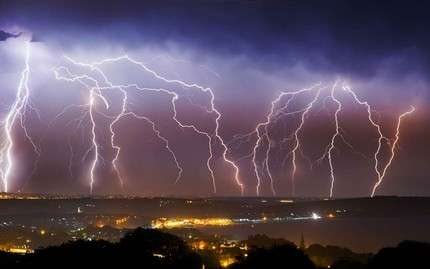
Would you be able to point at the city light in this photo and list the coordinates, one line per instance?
(190, 222)
(286, 201)
(122, 221)
(227, 261)
(315, 216)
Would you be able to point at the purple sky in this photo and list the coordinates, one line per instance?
(247, 52)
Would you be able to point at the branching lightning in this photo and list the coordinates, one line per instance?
(333, 138)
(92, 77)
(16, 114)
(381, 138)
(393, 146)
(93, 92)
(297, 140)
(278, 112)
(260, 136)
(174, 98)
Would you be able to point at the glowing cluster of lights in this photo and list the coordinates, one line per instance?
(190, 222)
(122, 221)
(315, 216)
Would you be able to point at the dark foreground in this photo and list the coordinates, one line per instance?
(361, 224)
(148, 248)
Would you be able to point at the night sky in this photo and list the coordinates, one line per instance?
(247, 52)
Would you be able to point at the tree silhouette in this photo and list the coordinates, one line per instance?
(143, 248)
(325, 256)
(285, 256)
(347, 264)
(408, 254)
(263, 241)
(8, 259)
(170, 249)
(153, 249)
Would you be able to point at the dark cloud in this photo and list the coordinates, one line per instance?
(5, 35)
(351, 37)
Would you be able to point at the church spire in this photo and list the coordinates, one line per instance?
(302, 242)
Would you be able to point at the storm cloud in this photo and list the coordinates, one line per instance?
(5, 35)
(247, 51)
(351, 37)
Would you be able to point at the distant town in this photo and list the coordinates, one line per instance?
(223, 226)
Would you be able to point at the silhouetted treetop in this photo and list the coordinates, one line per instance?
(263, 241)
(285, 256)
(408, 254)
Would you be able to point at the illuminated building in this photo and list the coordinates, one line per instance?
(227, 261)
(190, 222)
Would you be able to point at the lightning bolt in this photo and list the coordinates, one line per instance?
(116, 119)
(259, 141)
(212, 109)
(210, 137)
(115, 146)
(93, 92)
(392, 150)
(273, 116)
(297, 140)
(333, 138)
(278, 110)
(338, 132)
(381, 138)
(125, 112)
(16, 114)
(257, 145)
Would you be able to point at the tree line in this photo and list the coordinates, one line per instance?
(154, 249)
